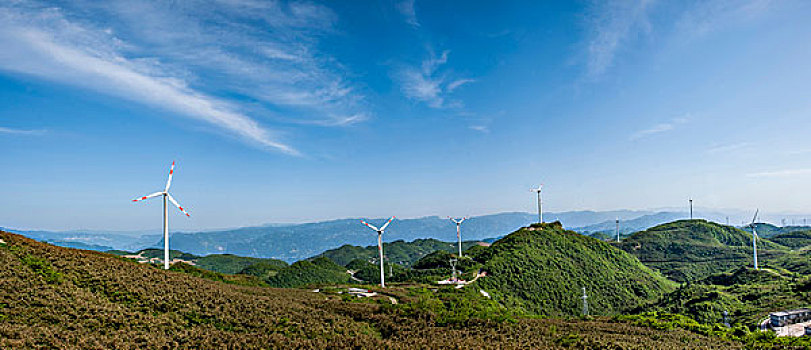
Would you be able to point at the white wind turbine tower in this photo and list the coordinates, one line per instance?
(540, 204)
(458, 233)
(753, 226)
(380, 246)
(166, 196)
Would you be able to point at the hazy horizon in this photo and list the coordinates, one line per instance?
(736, 215)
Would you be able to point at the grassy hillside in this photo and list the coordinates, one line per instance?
(227, 263)
(769, 230)
(306, 272)
(58, 298)
(80, 245)
(399, 252)
(222, 263)
(693, 249)
(542, 269)
(747, 294)
(793, 239)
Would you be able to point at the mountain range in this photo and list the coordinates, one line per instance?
(292, 242)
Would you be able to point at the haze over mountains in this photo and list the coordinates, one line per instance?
(292, 242)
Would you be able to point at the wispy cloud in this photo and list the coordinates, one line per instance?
(614, 25)
(708, 16)
(457, 83)
(406, 8)
(782, 173)
(727, 148)
(232, 61)
(611, 24)
(426, 84)
(659, 128)
(480, 128)
(12, 131)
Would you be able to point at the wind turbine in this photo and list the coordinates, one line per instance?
(691, 209)
(380, 246)
(754, 237)
(166, 196)
(540, 204)
(458, 234)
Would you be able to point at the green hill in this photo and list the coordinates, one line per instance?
(60, 298)
(748, 296)
(693, 249)
(793, 239)
(399, 252)
(228, 263)
(306, 272)
(541, 269)
(768, 230)
(222, 263)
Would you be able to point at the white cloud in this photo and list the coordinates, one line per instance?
(421, 87)
(480, 128)
(708, 16)
(611, 24)
(727, 148)
(614, 25)
(12, 131)
(406, 8)
(659, 128)
(264, 51)
(427, 84)
(782, 173)
(457, 83)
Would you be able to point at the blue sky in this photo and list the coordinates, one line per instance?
(298, 111)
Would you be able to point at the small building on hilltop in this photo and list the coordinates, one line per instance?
(783, 318)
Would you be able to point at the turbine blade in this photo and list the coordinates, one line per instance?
(177, 205)
(148, 196)
(755, 218)
(461, 220)
(386, 224)
(169, 181)
(370, 225)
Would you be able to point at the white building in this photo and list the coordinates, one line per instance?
(783, 318)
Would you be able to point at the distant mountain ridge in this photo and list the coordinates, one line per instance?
(292, 242)
(296, 242)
